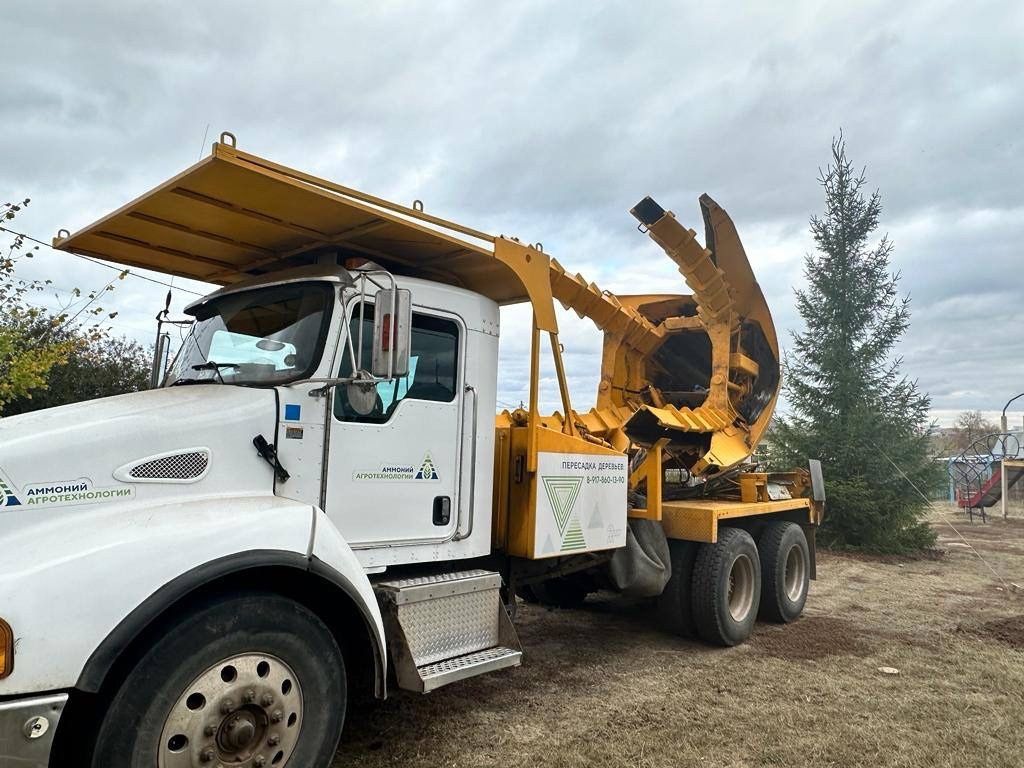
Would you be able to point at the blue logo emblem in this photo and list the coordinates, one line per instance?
(292, 412)
(427, 471)
(7, 497)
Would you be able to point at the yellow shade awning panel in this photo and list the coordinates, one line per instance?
(234, 215)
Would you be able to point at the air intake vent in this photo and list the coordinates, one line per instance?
(179, 467)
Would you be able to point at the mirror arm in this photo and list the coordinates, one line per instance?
(331, 382)
(328, 383)
(322, 391)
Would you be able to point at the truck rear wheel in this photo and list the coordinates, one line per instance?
(785, 571)
(726, 588)
(675, 604)
(252, 680)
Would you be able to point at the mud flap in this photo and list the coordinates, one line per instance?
(642, 568)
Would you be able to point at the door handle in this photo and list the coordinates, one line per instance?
(442, 510)
(472, 473)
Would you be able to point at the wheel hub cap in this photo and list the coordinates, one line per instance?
(741, 588)
(238, 732)
(794, 576)
(243, 712)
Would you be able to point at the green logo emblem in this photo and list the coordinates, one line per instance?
(562, 492)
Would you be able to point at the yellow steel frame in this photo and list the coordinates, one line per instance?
(697, 520)
(651, 472)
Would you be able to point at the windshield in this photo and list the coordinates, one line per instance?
(264, 336)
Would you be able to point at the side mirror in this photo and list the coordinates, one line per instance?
(392, 332)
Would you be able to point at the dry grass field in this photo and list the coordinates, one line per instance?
(602, 686)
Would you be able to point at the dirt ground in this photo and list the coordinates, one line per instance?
(602, 686)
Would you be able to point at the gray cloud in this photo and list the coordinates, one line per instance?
(549, 120)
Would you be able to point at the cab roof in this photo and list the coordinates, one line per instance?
(233, 216)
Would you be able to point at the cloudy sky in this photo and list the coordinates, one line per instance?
(548, 121)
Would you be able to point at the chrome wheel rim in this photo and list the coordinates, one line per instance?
(741, 588)
(794, 577)
(242, 712)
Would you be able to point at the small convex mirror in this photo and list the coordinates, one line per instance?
(392, 330)
(362, 394)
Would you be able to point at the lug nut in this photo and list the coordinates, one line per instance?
(274, 740)
(267, 700)
(207, 755)
(277, 716)
(260, 761)
(250, 696)
(209, 730)
(227, 707)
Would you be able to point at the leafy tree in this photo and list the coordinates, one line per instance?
(24, 361)
(969, 427)
(851, 405)
(95, 367)
(32, 339)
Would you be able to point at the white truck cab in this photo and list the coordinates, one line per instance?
(401, 476)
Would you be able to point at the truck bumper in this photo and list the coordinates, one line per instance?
(27, 727)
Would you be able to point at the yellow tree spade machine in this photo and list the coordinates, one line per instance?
(312, 498)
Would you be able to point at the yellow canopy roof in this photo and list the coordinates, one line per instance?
(234, 215)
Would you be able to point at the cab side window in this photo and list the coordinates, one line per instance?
(433, 366)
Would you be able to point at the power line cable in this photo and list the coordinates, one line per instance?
(202, 147)
(946, 521)
(101, 263)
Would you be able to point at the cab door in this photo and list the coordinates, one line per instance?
(393, 474)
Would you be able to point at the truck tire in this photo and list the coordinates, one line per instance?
(726, 588)
(785, 571)
(675, 605)
(253, 680)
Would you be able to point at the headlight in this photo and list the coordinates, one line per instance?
(6, 649)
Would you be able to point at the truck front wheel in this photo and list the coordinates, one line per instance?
(248, 680)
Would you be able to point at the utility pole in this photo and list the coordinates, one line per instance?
(1002, 459)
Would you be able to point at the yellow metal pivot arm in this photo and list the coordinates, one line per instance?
(741, 365)
(696, 263)
(608, 313)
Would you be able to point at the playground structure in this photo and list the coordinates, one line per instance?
(977, 473)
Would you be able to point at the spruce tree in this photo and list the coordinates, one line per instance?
(850, 405)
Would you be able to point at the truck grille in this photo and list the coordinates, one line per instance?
(180, 466)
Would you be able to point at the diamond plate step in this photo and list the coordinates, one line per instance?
(418, 588)
(472, 664)
(446, 627)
